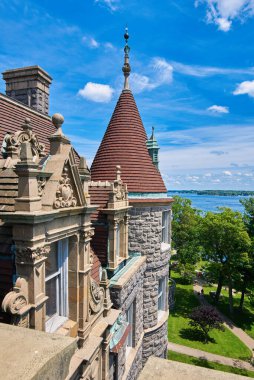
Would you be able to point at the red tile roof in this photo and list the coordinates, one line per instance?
(12, 117)
(124, 143)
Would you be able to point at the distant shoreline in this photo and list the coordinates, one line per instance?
(215, 192)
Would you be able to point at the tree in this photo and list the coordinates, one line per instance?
(226, 243)
(248, 215)
(185, 232)
(247, 280)
(205, 318)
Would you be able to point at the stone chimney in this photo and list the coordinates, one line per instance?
(29, 85)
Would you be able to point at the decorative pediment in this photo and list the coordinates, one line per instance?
(65, 194)
(12, 142)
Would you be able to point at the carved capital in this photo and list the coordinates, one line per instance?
(30, 255)
(87, 234)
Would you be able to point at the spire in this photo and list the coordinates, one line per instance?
(153, 149)
(126, 66)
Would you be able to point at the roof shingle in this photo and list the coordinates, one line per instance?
(124, 144)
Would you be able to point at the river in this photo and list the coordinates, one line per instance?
(212, 202)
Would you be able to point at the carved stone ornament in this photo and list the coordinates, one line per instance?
(93, 371)
(29, 255)
(41, 185)
(96, 297)
(87, 234)
(120, 192)
(64, 193)
(14, 141)
(16, 304)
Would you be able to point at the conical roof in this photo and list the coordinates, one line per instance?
(124, 144)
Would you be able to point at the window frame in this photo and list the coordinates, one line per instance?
(165, 227)
(61, 276)
(162, 292)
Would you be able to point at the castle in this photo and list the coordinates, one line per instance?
(84, 252)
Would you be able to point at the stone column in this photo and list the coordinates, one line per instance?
(30, 263)
(85, 264)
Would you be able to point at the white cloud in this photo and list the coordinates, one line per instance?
(246, 87)
(207, 175)
(112, 5)
(109, 45)
(161, 72)
(90, 42)
(100, 93)
(218, 109)
(217, 180)
(227, 172)
(208, 71)
(223, 12)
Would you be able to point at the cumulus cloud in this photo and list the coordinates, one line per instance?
(218, 109)
(227, 172)
(246, 87)
(96, 92)
(112, 5)
(223, 12)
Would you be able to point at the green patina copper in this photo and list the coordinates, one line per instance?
(153, 149)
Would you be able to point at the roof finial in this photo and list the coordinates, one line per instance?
(126, 67)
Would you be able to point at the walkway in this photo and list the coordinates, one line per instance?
(245, 338)
(210, 357)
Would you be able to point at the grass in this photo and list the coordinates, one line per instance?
(222, 342)
(205, 363)
(244, 319)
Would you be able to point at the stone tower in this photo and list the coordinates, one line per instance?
(29, 85)
(153, 149)
(125, 144)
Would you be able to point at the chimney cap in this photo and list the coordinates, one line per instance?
(27, 71)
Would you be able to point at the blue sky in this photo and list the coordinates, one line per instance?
(192, 76)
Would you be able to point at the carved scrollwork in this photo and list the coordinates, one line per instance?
(14, 141)
(27, 255)
(96, 297)
(16, 304)
(64, 193)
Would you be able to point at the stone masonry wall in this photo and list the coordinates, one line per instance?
(35, 98)
(155, 343)
(122, 298)
(145, 226)
(136, 367)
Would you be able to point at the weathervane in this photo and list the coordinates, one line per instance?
(126, 67)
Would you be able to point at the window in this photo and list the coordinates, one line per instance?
(162, 294)
(57, 285)
(165, 227)
(130, 320)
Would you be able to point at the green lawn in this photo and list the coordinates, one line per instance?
(223, 342)
(244, 319)
(204, 363)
